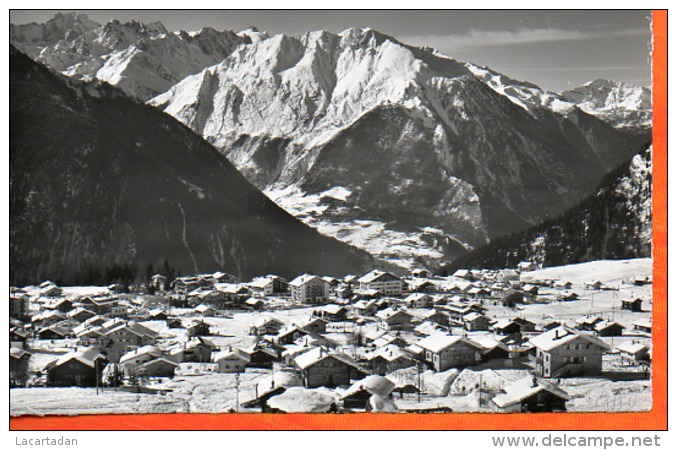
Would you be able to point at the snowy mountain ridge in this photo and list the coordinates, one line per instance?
(141, 59)
(623, 105)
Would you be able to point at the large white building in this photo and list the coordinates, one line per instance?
(384, 282)
(261, 287)
(309, 289)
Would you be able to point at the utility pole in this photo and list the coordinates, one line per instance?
(96, 374)
(237, 392)
(418, 375)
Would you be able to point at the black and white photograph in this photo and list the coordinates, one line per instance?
(338, 211)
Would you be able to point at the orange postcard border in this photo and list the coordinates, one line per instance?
(656, 419)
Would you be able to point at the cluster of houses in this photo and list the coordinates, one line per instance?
(420, 322)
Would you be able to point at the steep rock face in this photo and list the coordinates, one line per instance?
(612, 223)
(141, 59)
(97, 179)
(62, 26)
(416, 138)
(623, 105)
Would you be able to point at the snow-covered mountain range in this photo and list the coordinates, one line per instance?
(399, 150)
(431, 156)
(623, 105)
(141, 59)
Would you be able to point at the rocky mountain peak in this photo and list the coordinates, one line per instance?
(623, 105)
(141, 59)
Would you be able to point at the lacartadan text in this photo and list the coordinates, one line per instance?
(46, 441)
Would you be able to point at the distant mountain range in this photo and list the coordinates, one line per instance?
(141, 59)
(612, 223)
(402, 151)
(622, 105)
(98, 180)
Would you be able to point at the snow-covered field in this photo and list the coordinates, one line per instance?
(206, 393)
(604, 303)
(398, 247)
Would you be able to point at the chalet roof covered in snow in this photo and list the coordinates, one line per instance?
(487, 342)
(261, 282)
(427, 328)
(202, 308)
(384, 340)
(266, 321)
(53, 313)
(525, 388)
(415, 297)
(303, 279)
(374, 384)
(375, 275)
(258, 349)
(232, 353)
(87, 356)
(315, 340)
(287, 330)
(389, 352)
(426, 313)
(363, 304)
(132, 327)
(375, 333)
(604, 324)
(461, 273)
(18, 353)
(80, 310)
(503, 323)
(390, 312)
(632, 347)
(440, 341)
(644, 323)
(145, 350)
(510, 274)
(230, 288)
(472, 316)
(318, 354)
(309, 320)
(332, 309)
(295, 349)
(588, 320)
(562, 335)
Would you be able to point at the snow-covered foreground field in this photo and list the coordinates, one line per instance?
(217, 393)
